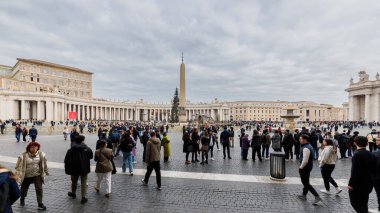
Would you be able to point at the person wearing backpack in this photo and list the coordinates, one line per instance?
(327, 161)
(126, 146)
(266, 144)
(77, 164)
(9, 191)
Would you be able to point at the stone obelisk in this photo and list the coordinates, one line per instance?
(182, 94)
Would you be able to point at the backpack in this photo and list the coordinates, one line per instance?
(4, 194)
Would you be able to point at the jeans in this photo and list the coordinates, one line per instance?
(326, 171)
(288, 152)
(377, 189)
(226, 146)
(256, 149)
(156, 166)
(107, 177)
(83, 184)
(316, 152)
(266, 150)
(18, 137)
(211, 150)
(37, 181)
(127, 156)
(305, 179)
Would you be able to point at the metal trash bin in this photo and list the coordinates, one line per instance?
(277, 165)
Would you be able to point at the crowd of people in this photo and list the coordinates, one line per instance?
(115, 139)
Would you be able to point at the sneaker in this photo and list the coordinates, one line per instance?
(229, 158)
(212, 159)
(22, 202)
(196, 160)
(70, 194)
(41, 206)
(96, 189)
(325, 191)
(131, 174)
(143, 182)
(107, 195)
(188, 162)
(202, 163)
(338, 190)
(206, 162)
(84, 200)
(302, 197)
(317, 201)
(158, 187)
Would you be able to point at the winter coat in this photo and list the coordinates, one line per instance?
(288, 141)
(257, 140)
(21, 166)
(103, 159)
(153, 148)
(276, 141)
(187, 145)
(166, 144)
(245, 143)
(14, 192)
(77, 159)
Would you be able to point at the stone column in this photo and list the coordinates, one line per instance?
(376, 105)
(49, 111)
(39, 110)
(23, 109)
(367, 108)
(63, 107)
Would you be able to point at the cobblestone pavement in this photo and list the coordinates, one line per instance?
(179, 194)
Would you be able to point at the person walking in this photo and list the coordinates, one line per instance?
(18, 132)
(166, 144)
(126, 146)
(33, 133)
(152, 159)
(187, 146)
(77, 165)
(10, 192)
(376, 181)
(205, 141)
(362, 173)
(103, 169)
(225, 141)
(232, 137)
(256, 143)
(327, 161)
(306, 159)
(24, 133)
(31, 168)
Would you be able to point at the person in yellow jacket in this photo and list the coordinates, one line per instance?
(165, 142)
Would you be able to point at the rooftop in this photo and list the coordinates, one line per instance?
(45, 63)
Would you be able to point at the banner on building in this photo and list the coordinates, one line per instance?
(72, 115)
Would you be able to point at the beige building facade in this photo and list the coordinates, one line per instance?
(364, 98)
(39, 90)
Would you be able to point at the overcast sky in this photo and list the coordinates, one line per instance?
(233, 50)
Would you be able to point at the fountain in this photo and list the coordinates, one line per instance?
(290, 116)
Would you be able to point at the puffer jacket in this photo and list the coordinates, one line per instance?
(153, 148)
(21, 166)
(14, 192)
(103, 159)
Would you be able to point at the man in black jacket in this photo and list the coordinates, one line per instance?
(77, 164)
(376, 182)
(287, 143)
(362, 173)
(225, 141)
(256, 145)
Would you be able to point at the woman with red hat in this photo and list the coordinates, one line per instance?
(31, 168)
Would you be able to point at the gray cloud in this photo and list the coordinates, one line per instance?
(246, 50)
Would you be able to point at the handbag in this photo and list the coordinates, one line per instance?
(113, 164)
